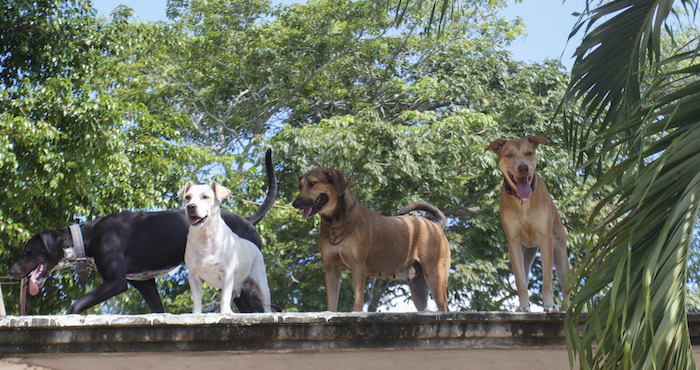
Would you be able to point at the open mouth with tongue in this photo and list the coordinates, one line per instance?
(37, 278)
(196, 220)
(523, 186)
(316, 206)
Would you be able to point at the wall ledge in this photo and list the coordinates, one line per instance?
(283, 331)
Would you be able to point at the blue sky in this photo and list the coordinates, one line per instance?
(549, 23)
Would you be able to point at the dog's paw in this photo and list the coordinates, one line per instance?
(551, 309)
(523, 309)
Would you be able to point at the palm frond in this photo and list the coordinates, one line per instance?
(639, 268)
(632, 281)
(621, 43)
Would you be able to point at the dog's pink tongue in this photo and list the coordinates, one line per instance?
(33, 287)
(523, 189)
(307, 213)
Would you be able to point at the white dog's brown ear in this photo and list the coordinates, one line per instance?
(496, 145)
(220, 191)
(536, 140)
(181, 193)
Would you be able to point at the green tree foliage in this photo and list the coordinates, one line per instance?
(42, 39)
(333, 83)
(69, 150)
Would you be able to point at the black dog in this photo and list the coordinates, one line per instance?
(133, 247)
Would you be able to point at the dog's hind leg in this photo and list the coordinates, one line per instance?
(419, 292)
(561, 263)
(529, 255)
(149, 292)
(264, 292)
(246, 302)
(259, 280)
(437, 281)
(547, 255)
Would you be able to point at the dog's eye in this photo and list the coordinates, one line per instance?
(204, 196)
(529, 154)
(187, 197)
(509, 155)
(311, 184)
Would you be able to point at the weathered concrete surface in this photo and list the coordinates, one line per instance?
(290, 341)
(216, 332)
(286, 332)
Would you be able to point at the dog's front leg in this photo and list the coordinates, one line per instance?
(196, 289)
(227, 293)
(515, 250)
(359, 281)
(332, 286)
(107, 289)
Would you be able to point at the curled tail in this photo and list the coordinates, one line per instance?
(271, 190)
(438, 217)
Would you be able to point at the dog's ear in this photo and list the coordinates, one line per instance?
(220, 191)
(496, 145)
(536, 140)
(52, 241)
(340, 181)
(181, 193)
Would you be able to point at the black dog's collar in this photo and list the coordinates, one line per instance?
(512, 192)
(81, 258)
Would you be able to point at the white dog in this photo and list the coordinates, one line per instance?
(216, 254)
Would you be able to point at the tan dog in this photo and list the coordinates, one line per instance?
(530, 220)
(371, 245)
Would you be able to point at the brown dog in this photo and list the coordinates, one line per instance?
(371, 245)
(530, 220)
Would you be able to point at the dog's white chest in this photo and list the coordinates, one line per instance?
(210, 267)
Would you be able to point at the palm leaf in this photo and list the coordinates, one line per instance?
(611, 61)
(632, 281)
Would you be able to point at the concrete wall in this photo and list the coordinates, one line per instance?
(286, 331)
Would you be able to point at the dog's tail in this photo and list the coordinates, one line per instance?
(438, 217)
(271, 190)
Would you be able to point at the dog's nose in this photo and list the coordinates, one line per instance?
(191, 207)
(523, 169)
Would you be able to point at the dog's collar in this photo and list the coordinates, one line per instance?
(512, 192)
(334, 239)
(80, 257)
